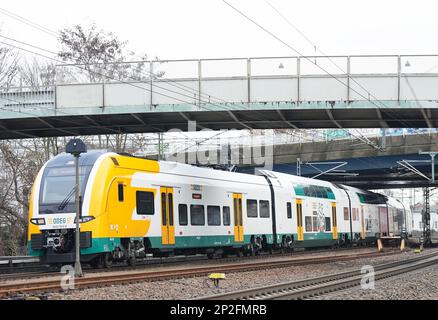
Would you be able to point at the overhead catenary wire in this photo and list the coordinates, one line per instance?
(57, 110)
(106, 76)
(305, 57)
(79, 66)
(35, 25)
(125, 82)
(122, 81)
(323, 53)
(55, 34)
(28, 22)
(319, 49)
(364, 139)
(173, 82)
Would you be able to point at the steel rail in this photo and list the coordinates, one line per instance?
(18, 272)
(7, 289)
(302, 289)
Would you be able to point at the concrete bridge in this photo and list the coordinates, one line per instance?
(397, 91)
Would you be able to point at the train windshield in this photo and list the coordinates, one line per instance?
(57, 193)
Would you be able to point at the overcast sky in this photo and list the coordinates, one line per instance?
(173, 29)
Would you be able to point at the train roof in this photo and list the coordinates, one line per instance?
(183, 169)
(66, 159)
(295, 179)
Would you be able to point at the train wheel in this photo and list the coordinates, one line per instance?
(270, 249)
(107, 261)
(132, 261)
(252, 250)
(97, 262)
(210, 255)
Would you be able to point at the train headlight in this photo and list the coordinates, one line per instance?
(38, 221)
(85, 219)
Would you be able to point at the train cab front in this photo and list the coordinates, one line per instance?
(52, 216)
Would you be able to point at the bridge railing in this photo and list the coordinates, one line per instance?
(387, 80)
(245, 83)
(20, 99)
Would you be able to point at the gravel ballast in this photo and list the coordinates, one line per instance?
(424, 285)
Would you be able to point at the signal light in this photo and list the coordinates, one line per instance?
(38, 221)
(85, 219)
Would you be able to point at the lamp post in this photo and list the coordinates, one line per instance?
(76, 147)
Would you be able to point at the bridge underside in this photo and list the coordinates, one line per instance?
(105, 121)
(380, 172)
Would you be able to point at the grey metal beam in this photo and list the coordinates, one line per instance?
(285, 120)
(232, 115)
(382, 122)
(427, 115)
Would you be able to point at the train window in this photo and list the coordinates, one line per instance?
(319, 191)
(289, 210)
(264, 209)
(251, 208)
(214, 215)
(226, 215)
(355, 215)
(197, 215)
(308, 223)
(145, 202)
(120, 192)
(163, 209)
(170, 201)
(346, 215)
(327, 224)
(182, 215)
(315, 224)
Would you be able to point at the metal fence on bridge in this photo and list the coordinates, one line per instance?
(387, 78)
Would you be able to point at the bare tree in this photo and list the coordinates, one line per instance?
(37, 74)
(9, 66)
(101, 54)
(102, 57)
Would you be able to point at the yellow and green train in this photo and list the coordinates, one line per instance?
(133, 207)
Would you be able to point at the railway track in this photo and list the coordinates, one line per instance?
(93, 280)
(318, 286)
(38, 271)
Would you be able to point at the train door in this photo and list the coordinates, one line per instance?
(383, 220)
(117, 208)
(362, 220)
(300, 232)
(334, 221)
(167, 227)
(238, 217)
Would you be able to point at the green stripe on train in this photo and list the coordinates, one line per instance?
(182, 242)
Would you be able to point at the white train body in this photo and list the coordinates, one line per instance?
(133, 206)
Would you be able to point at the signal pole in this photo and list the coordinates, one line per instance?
(76, 147)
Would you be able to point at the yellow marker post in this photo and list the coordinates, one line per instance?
(402, 245)
(379, 245)
(216, 277)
